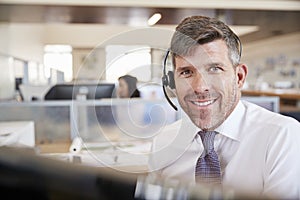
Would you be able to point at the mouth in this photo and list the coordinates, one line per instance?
(203, 103)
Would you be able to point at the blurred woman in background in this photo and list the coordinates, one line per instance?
(128, 87)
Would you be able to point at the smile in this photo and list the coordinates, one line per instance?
(203, 103)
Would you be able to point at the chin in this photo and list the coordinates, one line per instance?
(202, 124)
(206, 124)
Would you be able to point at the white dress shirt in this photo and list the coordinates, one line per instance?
(259, 152)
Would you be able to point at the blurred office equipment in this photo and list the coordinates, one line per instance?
(24, 175)
(70, 91)
(267, 102)
(33, 92)
(56, 77)
(153, 187)
(17, 133)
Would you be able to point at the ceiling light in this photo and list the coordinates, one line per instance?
(154, 19)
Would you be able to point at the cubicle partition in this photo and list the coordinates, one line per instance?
(51, 119)
(92, 120)
(102, 120)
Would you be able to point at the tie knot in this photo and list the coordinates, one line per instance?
(207, 138)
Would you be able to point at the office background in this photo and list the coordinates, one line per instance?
(269, 31)
(45, 43)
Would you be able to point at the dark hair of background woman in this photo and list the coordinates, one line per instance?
(131, 82)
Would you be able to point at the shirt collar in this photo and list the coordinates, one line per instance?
(232, 125)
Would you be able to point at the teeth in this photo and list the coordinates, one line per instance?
(203, 103)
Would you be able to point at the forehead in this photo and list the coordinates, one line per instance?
(209, 52)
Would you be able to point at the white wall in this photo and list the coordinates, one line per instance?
(24, 41)
(288, 44)
(27, 41)
(255, 55)
(5, 37)
(89, 64)
(86, 35)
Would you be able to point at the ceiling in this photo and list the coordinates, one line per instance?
(271, 22)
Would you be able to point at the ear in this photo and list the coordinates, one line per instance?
(241, 72)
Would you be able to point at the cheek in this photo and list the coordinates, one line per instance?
(181, 88)
(225, 85)
(220, 84)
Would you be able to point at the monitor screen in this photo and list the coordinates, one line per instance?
(268, 102)
(71, 91)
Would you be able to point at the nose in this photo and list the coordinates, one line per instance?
(200, 83)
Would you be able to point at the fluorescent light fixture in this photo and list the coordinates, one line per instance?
(154, 19)
(243, 30)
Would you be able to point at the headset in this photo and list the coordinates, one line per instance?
(168, 78)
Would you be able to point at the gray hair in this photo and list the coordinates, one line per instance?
(196, 30)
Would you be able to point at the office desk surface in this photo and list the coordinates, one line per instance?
(132, 159)
(282, 93)
(62, 147)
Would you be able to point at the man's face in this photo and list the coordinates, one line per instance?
(207, 85)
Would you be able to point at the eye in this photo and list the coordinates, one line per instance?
(215, 69)
(186, 73)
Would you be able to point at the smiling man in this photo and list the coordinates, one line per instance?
(221, 140)
(207, 88)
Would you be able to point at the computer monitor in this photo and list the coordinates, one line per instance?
(268, 102)
(25, 175)
(70, 91)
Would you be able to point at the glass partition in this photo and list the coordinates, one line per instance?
(106, 120)
(51, 120)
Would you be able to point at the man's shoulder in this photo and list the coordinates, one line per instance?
(177, 135)
(258, 115)
(167, 133)
(171, 143)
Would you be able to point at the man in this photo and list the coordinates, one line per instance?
(257, 150)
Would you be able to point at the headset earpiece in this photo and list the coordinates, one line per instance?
(165, 81)
(168, 80)
(171, 82)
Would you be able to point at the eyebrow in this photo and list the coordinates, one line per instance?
(215, 64)
(212, 64)
(184, 67)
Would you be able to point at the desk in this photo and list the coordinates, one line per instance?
(282, 93)
(58, 147)
(129, 157)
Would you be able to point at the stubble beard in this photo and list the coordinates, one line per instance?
(210, 119)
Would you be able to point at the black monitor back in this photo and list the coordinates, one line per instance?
(70, 91)
(25, 175)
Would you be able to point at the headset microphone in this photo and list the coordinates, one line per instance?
(168, 80)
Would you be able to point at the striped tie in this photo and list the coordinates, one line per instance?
(208, 169)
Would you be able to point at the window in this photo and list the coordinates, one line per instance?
(58, 57)
(133, 60)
